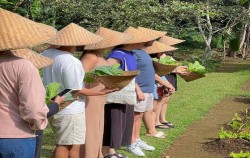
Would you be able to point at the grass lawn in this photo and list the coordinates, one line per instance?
(190, 103)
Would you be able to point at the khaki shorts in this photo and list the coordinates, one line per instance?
(145, 105)
(69, 129)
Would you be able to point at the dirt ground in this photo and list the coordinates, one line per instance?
(190, 144)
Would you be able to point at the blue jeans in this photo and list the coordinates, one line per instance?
(17, 147)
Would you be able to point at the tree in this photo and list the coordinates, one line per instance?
(211, 17)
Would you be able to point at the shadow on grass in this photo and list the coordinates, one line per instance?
(233, 67)
(244, 100)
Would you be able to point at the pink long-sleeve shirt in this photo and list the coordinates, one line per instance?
(22, 99)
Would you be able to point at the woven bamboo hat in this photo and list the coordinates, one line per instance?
(138, 36)
(111, 38)
(153, 33)
(170, 40)
(38, 60)
(158, 47)
(74, 35)
(18, 32)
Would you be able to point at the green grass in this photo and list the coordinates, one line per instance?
(191, 102)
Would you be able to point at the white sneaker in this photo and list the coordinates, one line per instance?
(135, 149)
(143, 145)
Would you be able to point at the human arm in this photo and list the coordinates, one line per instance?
(54, 106)
(164, 83)
(89, 62)
(181, 70)
(31, 96)
(91, 92)
(112, 61)
(140, 94)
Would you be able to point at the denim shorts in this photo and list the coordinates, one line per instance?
(17, 147)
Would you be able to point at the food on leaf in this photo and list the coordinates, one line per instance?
(166, 60)
(196, 67)
(113, 70)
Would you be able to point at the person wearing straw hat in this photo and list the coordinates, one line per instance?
(155, 51)
(145, 80)
(172, 78)
(39, 62)
(69, 124)
(22, 108)
(119, 118)
(170, 40)
(150, 115)
(91, 58)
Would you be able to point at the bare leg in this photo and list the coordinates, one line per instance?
(112, 151)
(158, 112)
(162, 117)
(106, 150)
(149, 119)
(137, 126)
(75, 151)
(62, 151)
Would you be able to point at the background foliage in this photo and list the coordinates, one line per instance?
(177, 17)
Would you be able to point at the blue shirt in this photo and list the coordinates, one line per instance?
(123, 56)
(146, 78)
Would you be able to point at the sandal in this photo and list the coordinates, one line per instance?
(158, 135)
(120, 155)
(169, 124)
(163, 126)
(115, 155)
(110, 156)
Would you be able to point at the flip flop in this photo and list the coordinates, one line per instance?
(120, 155)
(163, 126)
(169, 124)
(158, 135)
(111, 156)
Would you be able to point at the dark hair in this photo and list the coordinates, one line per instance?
(119, 46)
(83, 53)
(153, 55)
(170, 53)
(149, 43)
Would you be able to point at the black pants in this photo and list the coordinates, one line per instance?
(53, 109)
(118, 125)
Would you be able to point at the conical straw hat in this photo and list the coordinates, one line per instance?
(19, 32)
(111, 38)
(158, 47)
(154, 33)
(38, 60)
(75, 35)
(138, 36)
(170, 40)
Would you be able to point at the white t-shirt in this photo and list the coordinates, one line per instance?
(68, 71)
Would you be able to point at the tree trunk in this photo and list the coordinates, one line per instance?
(224, 50)
(206, 54)
(243, 35)
(207, 39)
(245, 38)
(244, 50)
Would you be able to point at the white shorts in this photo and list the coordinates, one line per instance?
(69, 129)
(145, 105)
